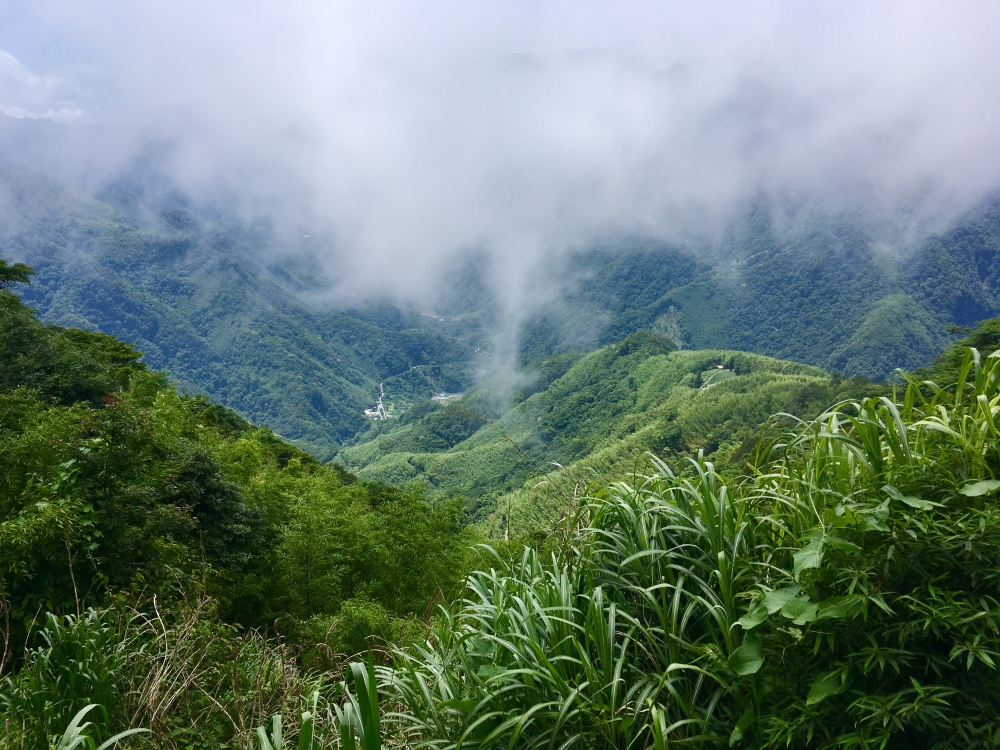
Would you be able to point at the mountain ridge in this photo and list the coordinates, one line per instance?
(188, 288)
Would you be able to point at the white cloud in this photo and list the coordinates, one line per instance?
(37, 97)
(407, 132)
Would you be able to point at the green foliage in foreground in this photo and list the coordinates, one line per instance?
(845, 595)
(118, 493)
(76, 735)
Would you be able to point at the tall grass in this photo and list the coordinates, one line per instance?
(845, 595)
(880, 607)
(190, 680)
(358, 720)
(630, 629)
(82, 661)
(76, 735)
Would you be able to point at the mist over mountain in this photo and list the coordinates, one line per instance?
(233, 310)
(478, 188)
(400, 137)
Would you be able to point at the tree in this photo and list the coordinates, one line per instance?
(19, 273)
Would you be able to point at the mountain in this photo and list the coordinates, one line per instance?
(818, 289)
(599, 410)
(185, 290)
(224, 305)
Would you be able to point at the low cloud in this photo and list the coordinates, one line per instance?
(399, 136)
(37, 97)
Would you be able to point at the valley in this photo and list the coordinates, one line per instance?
(194, 293)
(563, 482)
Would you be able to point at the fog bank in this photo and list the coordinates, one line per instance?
(398, 136)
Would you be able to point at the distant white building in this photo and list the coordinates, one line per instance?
(378, 411)
(443, 398)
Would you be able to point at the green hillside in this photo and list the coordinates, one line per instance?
(193, 526)
(196, 578)
(841, 593)
(184, 290)
(610, 406)
(817, 289)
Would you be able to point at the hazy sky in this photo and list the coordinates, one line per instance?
(400, 133)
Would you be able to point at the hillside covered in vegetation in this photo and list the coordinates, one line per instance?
(597, 411)
(188, 523)
(753, 580)
(806, 287)
(193, 293)
(235, 311)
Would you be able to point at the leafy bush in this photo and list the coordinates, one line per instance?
(880, 611)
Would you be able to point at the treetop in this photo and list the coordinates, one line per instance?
(19, 273)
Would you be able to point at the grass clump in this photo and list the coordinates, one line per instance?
(845, 595)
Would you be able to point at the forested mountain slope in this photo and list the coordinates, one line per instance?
(184, 291)
(116, 491)
(602, 410)
(188, 288)
(815, 289)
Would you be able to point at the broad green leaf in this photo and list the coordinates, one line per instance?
(824, 687)
(659, 728)
(837, 517)
(978, 489)
(835, 607)
(842, 544)
(916, 502)
(775, 600)
(306, 732)
(810, 556)
(747, 659)
(874, 519)
(753, 618)
(265, 743)
(741, 726)
(800, 611)
(913, 502)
